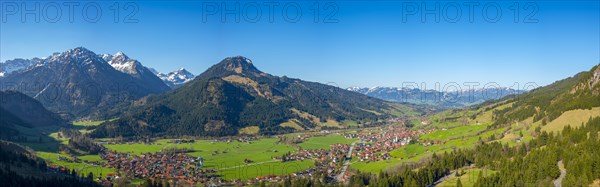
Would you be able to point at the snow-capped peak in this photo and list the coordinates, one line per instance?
(177, 77)
(123, 63)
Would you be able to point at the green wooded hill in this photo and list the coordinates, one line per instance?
(18, 111)
(547, 103)
(234, 94)
(21, 167)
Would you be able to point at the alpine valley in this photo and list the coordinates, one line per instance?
(78, 118)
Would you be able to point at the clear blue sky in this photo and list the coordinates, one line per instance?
(369, 43)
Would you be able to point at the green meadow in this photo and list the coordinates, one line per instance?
(228, 158)
(324, 142)
(457, 132)
(80, 167)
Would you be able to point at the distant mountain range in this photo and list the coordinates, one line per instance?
(17, 64)
(450, 99)
(233, 96)
(79, 83)
(176, 78)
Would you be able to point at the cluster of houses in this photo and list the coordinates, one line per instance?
(327, 160)
(243, 139)
(186, 170)
(375, 146)
(178, 167)
(182, 141)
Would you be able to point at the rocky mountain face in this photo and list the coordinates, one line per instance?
(234, 94)
(79, 83)
(450, 99)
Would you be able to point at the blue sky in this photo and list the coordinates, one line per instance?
(363, 43)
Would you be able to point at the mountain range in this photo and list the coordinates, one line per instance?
(233, 96)
(79, 83)
(444, 99)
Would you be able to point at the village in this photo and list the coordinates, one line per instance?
(179, 167)
(182, 169)
(375, 146)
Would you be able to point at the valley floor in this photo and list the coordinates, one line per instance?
(271, 159)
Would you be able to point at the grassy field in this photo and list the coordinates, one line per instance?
(250, 130)
(292, 124)
(462, 131)
(573, 118)
(52, 159)
(90, 123)
(269, 168)
(468, 178)
(323, 142)
(350, 123)
(228, 158)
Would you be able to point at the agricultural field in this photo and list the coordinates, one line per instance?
(248, 171)
(90, 123)
(228, 158)
(461, 131)
(80, 167)
(323, 142)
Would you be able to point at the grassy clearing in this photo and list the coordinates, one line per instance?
(350, 123)
(324, 142)
(82, 168)
(249, 130)
(400, 110)
(330, 123)
(90, 123)
(271, 168)
(462, 131)
(573, 118)
(292, 124)
(469, 177)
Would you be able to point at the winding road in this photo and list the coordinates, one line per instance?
(340, 176)
(452, 174)
(563, 173)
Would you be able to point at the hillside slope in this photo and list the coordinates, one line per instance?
(18, 111)
(547, 103)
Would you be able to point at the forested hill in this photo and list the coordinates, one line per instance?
(547, 103)
(234, 94)
(21, 167)
(19, 111)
